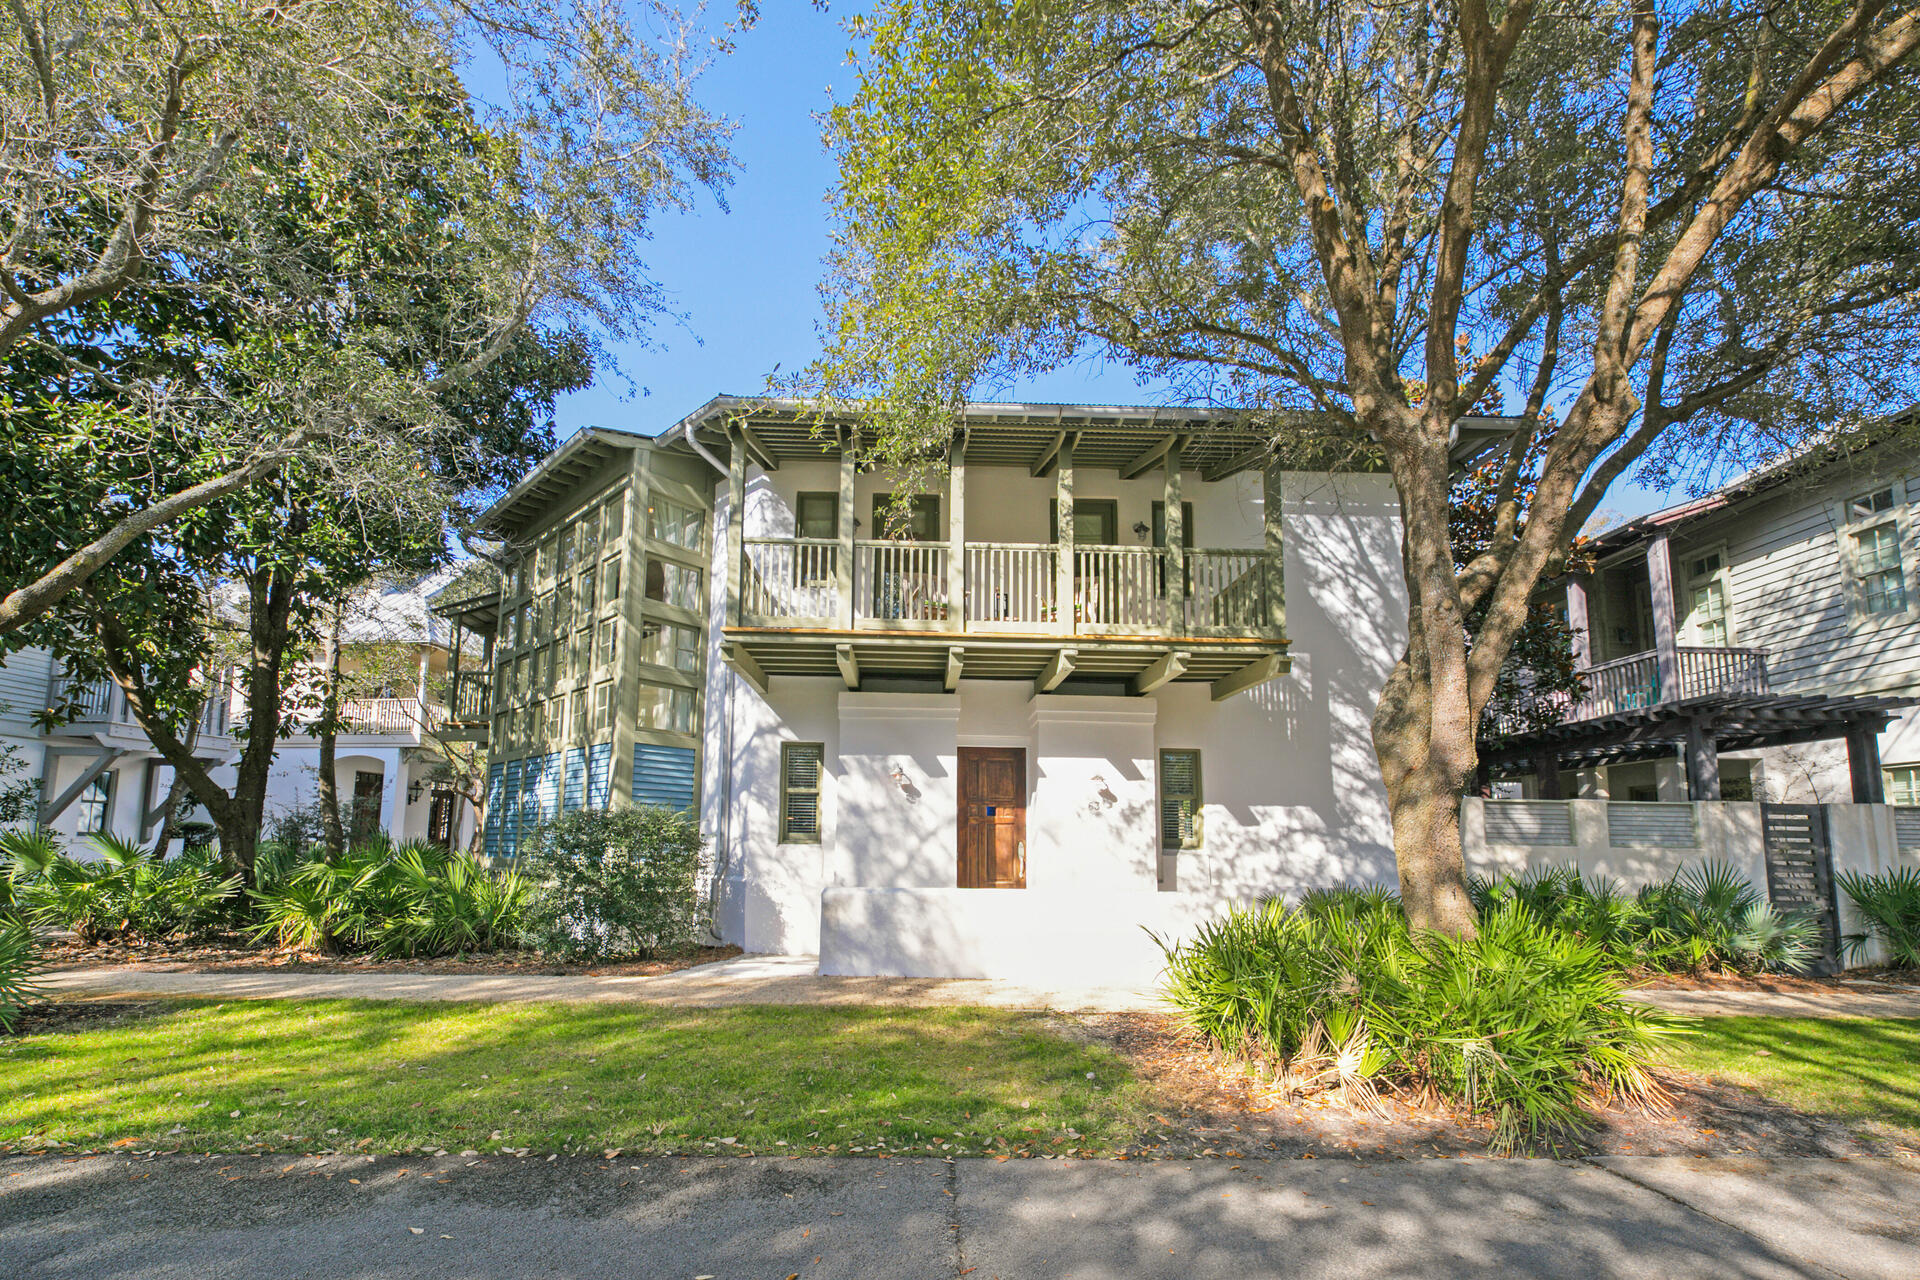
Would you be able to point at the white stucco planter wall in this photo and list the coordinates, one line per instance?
(1040, 937)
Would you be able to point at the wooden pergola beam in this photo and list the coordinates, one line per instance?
(1149, 458)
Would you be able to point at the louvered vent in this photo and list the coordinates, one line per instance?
(1663, 826)
(1529, 822)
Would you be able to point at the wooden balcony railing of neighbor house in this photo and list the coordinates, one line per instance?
(389, 716)
(1634, 682)
(101, 704)
(1008, 588)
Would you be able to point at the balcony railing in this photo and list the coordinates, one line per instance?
(1633, 682)
(471, 696)
(100, 702)
(1005, 587)
(389, 716)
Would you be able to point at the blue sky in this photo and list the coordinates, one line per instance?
(745, 279)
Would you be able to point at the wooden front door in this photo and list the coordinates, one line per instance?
(993, 818)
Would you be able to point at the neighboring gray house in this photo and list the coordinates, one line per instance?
(1769, 633)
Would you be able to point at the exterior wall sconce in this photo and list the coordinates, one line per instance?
(1140, 530)
(902, 781)
(414, 788)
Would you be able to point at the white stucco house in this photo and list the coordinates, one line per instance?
(1112, 672)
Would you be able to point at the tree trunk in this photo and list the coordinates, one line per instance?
(238, 814)
(327, 785)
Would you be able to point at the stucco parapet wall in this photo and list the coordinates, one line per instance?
(1055, 708)
(1065, 937)
(899, 706)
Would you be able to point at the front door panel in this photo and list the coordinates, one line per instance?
(993, 818)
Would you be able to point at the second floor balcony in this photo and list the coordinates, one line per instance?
(1118, 548)
(100, 708)
(1010, 589)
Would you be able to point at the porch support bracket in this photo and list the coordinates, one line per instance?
(849, 665)
(1171, 666)
(1257, 672)
(956, 663)
(737, 657)
(1057, 670)
(102, 761)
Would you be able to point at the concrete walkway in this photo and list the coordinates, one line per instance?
(279, 1216)
(792, 980)
(741, 980)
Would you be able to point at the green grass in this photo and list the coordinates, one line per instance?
(387, 1076)
(1861, 1070)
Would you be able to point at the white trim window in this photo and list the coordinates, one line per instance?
(1875, 541)
(1709, 600)
(1903, 785)
(96, 805)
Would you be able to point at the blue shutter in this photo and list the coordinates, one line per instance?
(599, 774)
(510, 809)
(663, 776)
(528, 812)
(549, 797)
(495, 792)
(575, 793)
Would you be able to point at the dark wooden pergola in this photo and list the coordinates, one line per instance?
(1701, 728)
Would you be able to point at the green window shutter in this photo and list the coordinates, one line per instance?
(800, 765)
(1180, 799)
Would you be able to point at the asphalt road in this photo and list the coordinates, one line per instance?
(267, 1217)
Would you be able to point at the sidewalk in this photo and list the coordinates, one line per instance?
(741, 980)
(792, 980)
(218, 1217)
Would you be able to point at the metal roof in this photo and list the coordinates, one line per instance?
(1215, 443)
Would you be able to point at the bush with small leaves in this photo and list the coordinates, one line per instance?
(615, 882)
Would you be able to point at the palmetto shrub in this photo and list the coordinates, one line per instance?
(18, 964)
(1705, 917)
(615, 882)
(119, 893)
(416, 899)
(1890, 906)
(1524, 1024)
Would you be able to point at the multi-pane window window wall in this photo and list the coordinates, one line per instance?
(675, 523)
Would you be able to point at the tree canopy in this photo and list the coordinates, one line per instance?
(159, 148)
(1690, 229)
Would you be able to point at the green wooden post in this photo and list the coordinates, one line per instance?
(1174, 556)
(1063, 535)
(843, 557)
(957, 537)
(1276, 577)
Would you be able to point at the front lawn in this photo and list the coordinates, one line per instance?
(1865, 1071)
(387, 1076)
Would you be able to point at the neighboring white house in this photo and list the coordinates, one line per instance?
(385, 760)
(1113, 673)
(1784, 606)
(99, 773)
